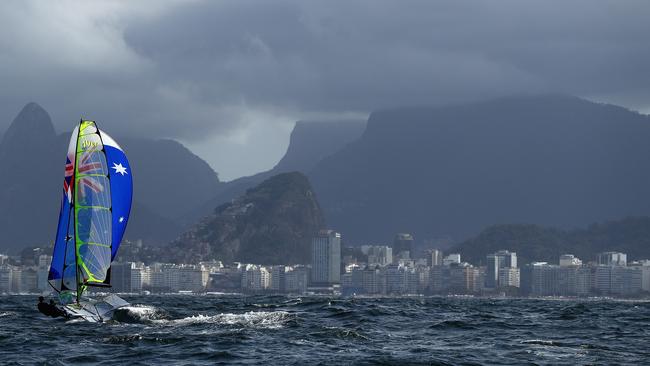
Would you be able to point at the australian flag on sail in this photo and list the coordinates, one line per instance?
(86, 166)
(121, 182)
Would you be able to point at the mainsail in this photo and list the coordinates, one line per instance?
(95, 208)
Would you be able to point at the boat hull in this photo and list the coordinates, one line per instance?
(95, 310)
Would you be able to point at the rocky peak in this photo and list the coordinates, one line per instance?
(33, 123)
(272, 223)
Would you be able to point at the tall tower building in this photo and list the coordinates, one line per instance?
(435, 257)
(495, 263)
(612, 259)
(403, 245)
(380, 254)
(326, 258)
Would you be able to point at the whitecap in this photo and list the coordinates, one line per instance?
(140, 310)
(251, 319)
(138, 314)
(543, 342)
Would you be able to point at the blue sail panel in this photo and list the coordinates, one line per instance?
(121, 182)
(69, 263)
(63, 242)
(58, 255)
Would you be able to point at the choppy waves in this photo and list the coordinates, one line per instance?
(306, 330)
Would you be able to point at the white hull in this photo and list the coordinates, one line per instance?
(95, 310)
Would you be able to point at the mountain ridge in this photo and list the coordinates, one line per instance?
(451, 171)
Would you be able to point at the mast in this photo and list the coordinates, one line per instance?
(74, 213)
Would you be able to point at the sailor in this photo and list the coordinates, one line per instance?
(56, 312)
(49, 309)
(43, 307)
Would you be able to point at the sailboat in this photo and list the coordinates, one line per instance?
(95, 208)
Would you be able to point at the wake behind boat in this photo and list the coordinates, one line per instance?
(95, 208)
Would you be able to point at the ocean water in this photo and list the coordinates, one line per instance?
(278, 330)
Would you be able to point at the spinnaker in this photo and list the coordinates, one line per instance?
(95, 208)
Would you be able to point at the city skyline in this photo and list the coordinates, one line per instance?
(377, 273)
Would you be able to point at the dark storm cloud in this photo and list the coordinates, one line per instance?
(365, 55)
(208, 71)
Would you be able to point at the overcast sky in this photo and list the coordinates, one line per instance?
(229, 78)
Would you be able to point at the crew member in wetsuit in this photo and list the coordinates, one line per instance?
(48, 309)
(43, 307)
(55, 310)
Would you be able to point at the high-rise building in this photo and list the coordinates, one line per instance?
(173, 277)
(435, 257)
(584, 281)
(617, 280)
(626, 281)
(192, 278)
(644, 267)
(41, 279)
(509, 277)
(158, 280)
(403, 245)
(255, 278)
(296, 278)
(400, 279)
(5, 278)
(496, 262)
(372, 280)
(326, 258)
(424, 278)
(602, 280)
(394, 276)
(612, 259)
(439, 279)
(539, 279)
(567, 280)
(463, 278)
(227, 279)
(411, 280)
(380, 255)
(567, 260)
(453, 258)
(44, 260)
(140, 277)
(278, 279)
(16, 279)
